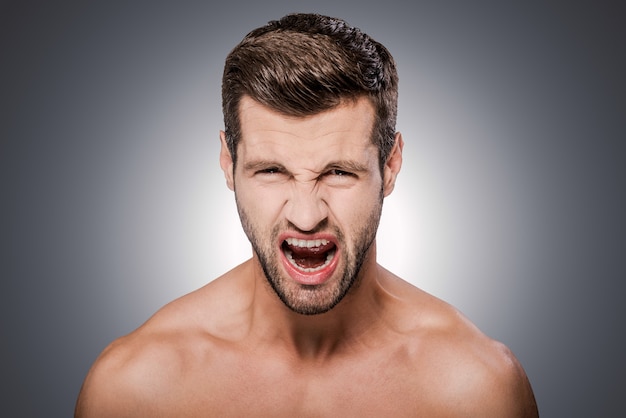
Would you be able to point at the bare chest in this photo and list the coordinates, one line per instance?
(261, 387)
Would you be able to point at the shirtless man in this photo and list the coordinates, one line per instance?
(311, 325)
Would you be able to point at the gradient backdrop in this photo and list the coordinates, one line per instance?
(510, 204)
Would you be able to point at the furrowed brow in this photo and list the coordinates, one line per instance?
(256, 165)
(344, 165)
(348, 165)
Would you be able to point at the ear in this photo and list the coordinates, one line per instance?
(393, 165)
(226, 162)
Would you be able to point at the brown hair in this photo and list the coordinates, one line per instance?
(304, 64)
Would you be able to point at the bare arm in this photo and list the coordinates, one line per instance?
(520, 394)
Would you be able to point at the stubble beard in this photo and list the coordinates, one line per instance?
(313, 299)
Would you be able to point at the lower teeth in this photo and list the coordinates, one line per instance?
(329, 257)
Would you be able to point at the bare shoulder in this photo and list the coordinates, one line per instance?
(483, 377)
(457, 365)
(157, 366)
(122, 378)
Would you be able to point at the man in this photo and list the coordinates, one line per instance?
(311, 325)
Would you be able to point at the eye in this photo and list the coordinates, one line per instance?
(271, 174)
(337, 177)
(340, 173)
(269, 170)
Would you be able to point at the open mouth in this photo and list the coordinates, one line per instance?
(309, 256)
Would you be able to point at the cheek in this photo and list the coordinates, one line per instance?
(261, 204)
(354, 208)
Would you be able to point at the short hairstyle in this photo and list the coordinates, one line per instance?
(304, 64)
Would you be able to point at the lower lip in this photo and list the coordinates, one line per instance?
(311, 279)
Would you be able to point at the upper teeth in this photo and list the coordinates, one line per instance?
(306, 243)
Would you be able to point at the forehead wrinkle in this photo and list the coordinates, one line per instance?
(249, 112)
(267, 134)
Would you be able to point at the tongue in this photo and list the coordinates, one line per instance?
(310, 257)
(309, 262)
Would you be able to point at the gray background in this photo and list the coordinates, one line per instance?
(510, 204)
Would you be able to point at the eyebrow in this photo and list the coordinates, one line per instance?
(261, 164)
(347, 165)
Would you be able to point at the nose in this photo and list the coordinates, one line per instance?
(306, 209)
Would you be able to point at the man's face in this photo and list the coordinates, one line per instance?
(309, 194)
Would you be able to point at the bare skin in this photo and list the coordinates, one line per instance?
(233, 348)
